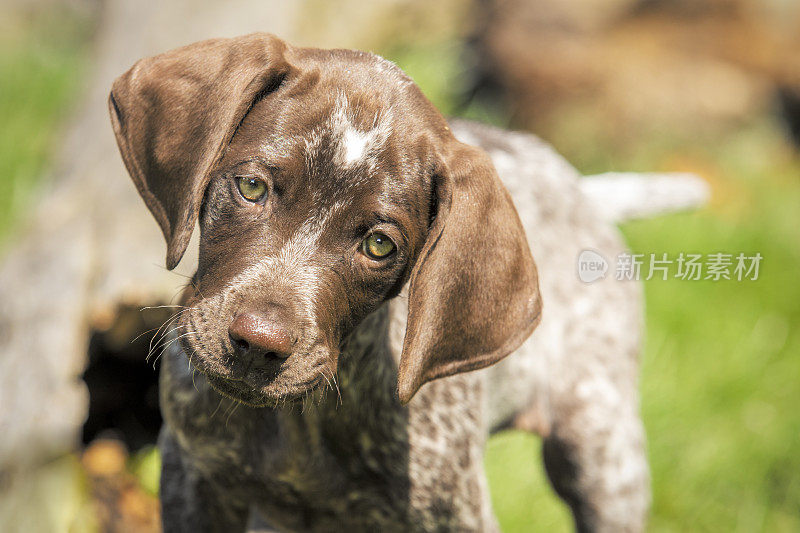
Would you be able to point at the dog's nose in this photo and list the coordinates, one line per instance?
(259, 337)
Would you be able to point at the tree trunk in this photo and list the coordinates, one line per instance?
(91, 246)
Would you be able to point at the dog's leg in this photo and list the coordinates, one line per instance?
(190, 502)
(595, 457)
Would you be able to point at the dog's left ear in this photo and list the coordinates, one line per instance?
(474, 294)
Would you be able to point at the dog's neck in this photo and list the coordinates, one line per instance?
(366, 379)
(369, 359)
(359, 415)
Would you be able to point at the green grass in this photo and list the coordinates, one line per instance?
(719, 382)
(42, 59)
(721, 365)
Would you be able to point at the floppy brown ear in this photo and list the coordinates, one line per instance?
(474, 295)
(174, 114)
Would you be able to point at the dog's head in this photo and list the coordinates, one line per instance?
(323, 181)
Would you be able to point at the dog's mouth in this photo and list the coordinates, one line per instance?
(260, 388)
(272, 383)
(257, 397)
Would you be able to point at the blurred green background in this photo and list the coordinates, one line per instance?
(720, 379)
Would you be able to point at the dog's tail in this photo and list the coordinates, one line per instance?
(624, 196)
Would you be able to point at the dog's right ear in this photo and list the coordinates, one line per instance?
(174, 114)
(474, 290)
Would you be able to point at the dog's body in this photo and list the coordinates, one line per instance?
(352, 456)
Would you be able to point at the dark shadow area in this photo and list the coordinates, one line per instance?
(123, 386)
(789, 101)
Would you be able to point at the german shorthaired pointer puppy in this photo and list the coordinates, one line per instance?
(355, 248)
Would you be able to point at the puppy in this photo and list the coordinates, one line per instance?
(353, 251)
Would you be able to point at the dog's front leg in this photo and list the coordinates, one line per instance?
(189, 501)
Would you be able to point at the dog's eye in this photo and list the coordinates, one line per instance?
(378, 246)
(251, 189)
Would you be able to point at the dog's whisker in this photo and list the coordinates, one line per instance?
(165, 326)
(213, 414)
(142, 334)
(168, 323)
(163, 349)
(326, 380)
(162, 345)
(194, 371)
(178, 292)
(165, 306)
(336, 384)
(168, 342)
(236, 404)
(195, 287)
(164, 337)
(332, 385)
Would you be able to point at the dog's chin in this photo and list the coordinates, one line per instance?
(263, 396)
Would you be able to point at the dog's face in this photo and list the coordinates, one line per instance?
(322, 181)
(309, 222)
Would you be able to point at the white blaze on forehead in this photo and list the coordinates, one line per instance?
(356, 145)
